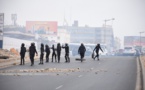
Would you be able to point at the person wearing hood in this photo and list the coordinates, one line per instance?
(82, 51)
(22, 54)
(47, 50)
(53, 53)
(32, 51)
(41, 53)
(66, 47)
(97, 48)
(58, 52)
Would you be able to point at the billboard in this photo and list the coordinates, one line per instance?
(42, 27)
(134, 41)
(1, 28)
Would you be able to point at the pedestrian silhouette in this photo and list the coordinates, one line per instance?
(22, 54)
(58, 52)
(66, 47)
(47, 50)
(53, 53)
(41, 53)
(97, 48)
(32, 51)
(82, 51)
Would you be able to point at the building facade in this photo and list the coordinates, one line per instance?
(63, 36)
(92, 35)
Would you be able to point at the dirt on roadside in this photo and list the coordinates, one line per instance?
(143, 60)
(12, 57)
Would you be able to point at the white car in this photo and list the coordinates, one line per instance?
(105, 52)
(129, 51)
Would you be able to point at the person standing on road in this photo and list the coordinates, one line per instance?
(32, 51)
(66, 47)
(82, 51)
(22, 54)
(47, 50)
(53, 53)
(97, 51)
(41, 53)
(58, 52)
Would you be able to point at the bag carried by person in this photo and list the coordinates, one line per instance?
(93, 55)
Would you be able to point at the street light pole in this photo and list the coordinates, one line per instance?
(140, 40)
(105, 28)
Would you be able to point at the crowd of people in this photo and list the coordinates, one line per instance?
(56, 53)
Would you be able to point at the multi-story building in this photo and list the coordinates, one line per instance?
(117, 43)
(63, 36)
(93, 35)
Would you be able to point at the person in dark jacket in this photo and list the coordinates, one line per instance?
(32, 51)
(58, 52)
(47, 50)
(22, 54)
(82, 51)
(97, 48)
(41, 53)
(53, 53)
(66, 47)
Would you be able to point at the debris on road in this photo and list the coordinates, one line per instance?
(96, 72)
(39, 70)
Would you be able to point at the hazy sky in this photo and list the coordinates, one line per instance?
(129, 14)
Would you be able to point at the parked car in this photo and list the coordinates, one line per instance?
(119, 52)
(129, 50)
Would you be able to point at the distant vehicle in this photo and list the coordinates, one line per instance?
(112, 53)
(119, 52)
(138, 52)
(129, 50)
(143, 50)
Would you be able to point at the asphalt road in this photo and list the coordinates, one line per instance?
(110, 73)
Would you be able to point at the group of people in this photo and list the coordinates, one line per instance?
(32, 51)
(82, 51)
(56, 52)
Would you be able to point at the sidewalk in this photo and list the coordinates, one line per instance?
(142, 61)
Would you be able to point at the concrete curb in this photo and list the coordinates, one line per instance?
(139, 79)
(142, 73)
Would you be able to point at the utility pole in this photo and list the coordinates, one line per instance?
(106, 20)
(140, 40)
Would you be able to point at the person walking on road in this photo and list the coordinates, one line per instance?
(32, 51)
(53, 53)
(58, 52)
(22, 54)
(66, 47)
(97, 48)
(47, 50)
(41, 53)
(82, 51)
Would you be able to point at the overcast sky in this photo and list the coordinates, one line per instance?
(129, 14)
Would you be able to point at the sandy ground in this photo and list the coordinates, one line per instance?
(14, 61)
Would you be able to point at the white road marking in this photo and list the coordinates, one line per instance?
(92, 68)
(80, 76)
(59, 87)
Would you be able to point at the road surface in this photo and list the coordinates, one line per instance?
(110, 73)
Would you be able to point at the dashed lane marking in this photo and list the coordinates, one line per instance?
(80, 76)
(59, 87)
